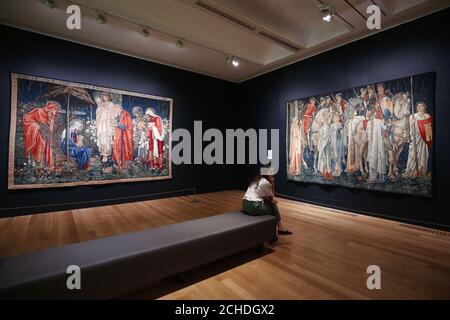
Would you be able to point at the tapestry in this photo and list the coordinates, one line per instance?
(375, 137)
(67, 134)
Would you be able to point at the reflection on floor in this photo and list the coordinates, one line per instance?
(326, 258)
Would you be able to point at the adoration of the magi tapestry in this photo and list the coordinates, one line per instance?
(66, 134)
(375, 137)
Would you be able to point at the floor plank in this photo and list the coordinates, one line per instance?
(326, 258)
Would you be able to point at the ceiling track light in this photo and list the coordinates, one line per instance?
(144, 32)
(179, 43)
(327, 13)
(101, 18)
(49, 3)
(232, 60)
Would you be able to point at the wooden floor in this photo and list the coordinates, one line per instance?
(326, 258)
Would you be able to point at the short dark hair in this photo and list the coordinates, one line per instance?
(422, 103)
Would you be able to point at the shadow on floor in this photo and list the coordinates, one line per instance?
(190, 277)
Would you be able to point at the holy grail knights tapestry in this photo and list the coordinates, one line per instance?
(375, 137)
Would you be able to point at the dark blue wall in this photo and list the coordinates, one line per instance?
(195, 97)
(417, 47)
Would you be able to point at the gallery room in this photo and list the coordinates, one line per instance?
(225, 150)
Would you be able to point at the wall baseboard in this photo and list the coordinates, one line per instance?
(25, 210)
(367, 213)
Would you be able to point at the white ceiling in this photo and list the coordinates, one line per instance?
(209, 35)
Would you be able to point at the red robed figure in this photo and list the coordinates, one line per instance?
(308, 116)
(123, 139)
(425, 130)
(153, 160)
(35, 143)
(343, 105)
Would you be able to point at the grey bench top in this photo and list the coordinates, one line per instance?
(33, 266)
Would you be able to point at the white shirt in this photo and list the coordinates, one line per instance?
(257, 191)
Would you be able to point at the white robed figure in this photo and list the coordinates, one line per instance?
(337, 140)
(376, 148)
(296, 146)
(355, 139)
(324, 146)
(105, 122)
(421, 139)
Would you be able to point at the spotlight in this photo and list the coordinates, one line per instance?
(327, 13)
(101, 19)
(179, 43)
(144, 32)
(49, 3)
(232, 60)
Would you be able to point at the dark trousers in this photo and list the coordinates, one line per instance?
(259, 208)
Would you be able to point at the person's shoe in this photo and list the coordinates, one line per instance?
(284, 232)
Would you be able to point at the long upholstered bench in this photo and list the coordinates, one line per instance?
(113, 266)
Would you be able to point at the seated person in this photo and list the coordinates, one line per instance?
(76, 150)
(259, 200)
